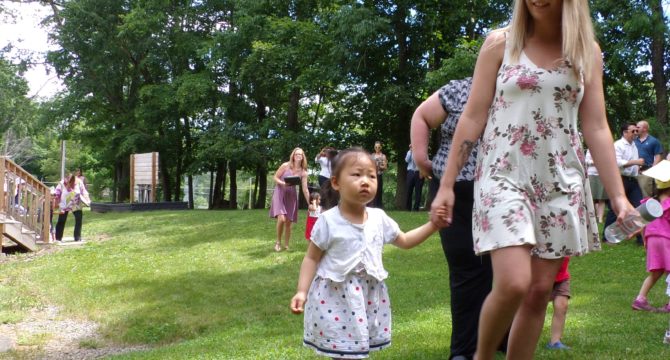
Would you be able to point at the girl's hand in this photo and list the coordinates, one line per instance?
(439, 213)
(442, 206)
(298, 303)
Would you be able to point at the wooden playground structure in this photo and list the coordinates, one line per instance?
(25, 205)
(143, 188)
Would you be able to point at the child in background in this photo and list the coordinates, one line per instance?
(313, 213)
(657, 243)
(560, 296)
(348, 312)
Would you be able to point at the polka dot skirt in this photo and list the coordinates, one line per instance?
(347, 319)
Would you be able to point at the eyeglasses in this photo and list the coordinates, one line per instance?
(633, 131)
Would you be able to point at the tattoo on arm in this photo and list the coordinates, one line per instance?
(465, 150)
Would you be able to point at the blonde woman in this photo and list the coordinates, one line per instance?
(533, 81)
(284, 205)
(381, 165)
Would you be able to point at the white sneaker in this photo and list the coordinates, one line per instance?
(666, 339)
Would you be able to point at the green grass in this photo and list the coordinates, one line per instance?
(207, 285)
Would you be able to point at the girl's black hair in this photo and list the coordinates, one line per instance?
(329, 196)
(660, 192)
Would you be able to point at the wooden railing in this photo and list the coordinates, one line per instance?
(25, 199)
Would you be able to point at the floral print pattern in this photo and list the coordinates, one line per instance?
(531, 185)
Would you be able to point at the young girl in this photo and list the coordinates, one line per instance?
(657, 242)
(341, 281)
(537, 83)
(313, 214)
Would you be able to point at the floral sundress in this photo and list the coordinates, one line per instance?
(531, 185)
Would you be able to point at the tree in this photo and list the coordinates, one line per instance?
(632, 36)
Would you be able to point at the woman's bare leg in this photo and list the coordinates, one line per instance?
(511, 280)
(281, 221)
(528, 322)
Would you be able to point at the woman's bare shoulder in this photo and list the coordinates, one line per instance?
(495, 42)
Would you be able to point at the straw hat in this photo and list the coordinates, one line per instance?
(660, 185)
(661, 173)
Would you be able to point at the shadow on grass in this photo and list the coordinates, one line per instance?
(245, 314)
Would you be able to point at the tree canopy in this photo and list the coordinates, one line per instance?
(224, 86)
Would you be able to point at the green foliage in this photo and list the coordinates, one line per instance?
(461, 65)
(625, 31)
(207, 82)
(14, 106)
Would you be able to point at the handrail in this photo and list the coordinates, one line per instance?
(24, 198)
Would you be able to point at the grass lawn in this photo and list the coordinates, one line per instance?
(207, 285)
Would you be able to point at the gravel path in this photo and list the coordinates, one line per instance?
(43, 334)
(46, 335)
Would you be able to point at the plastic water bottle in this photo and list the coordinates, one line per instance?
(649, 210)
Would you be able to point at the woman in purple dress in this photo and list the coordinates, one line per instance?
(284, 205)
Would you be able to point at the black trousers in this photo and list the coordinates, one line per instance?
(378, 200)
(634, 195)
(414, 186)
(470, 276)
(60, 225)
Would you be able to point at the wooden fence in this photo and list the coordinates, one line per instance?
(25, 199)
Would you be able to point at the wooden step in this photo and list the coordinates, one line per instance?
(13, 230)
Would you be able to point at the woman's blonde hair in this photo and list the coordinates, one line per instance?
(303, 164)
(577, 29)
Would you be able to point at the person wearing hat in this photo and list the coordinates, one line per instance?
(657, 240)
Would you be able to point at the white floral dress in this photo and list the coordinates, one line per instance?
(531, 185)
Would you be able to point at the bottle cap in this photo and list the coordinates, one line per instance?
(650, 210)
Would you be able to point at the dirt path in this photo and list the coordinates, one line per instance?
(43, 334)
(46, 335)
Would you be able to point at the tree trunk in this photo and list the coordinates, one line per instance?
(189, 179)
(262, 176)
(293, 106)
(165, 178)
(232, 168)
(211, 189)
(217, 196)
(658, 62)
(123, 175)
(179, 162)
(403, 112)
(188, 158)
(115, 186)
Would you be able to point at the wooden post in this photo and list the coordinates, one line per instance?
(154, 174)
(62, 159)
(46, 218)
(132, 178)
(4, 185)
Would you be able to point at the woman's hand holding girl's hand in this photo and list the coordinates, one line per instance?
(442, 206)
(298, 302)
(439, 213)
